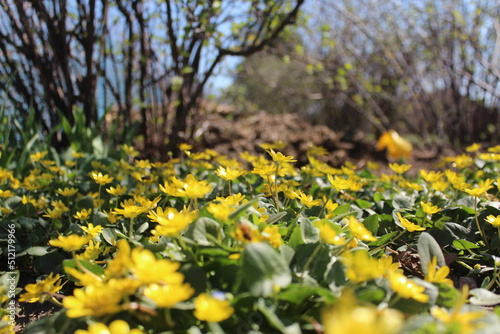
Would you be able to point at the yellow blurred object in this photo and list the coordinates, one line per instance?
(397, 147)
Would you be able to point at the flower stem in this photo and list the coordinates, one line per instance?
(309, 261)
(131, 229)
(478, 224)
(376, 249)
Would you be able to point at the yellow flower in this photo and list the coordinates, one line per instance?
(279, 145)
(339, 183)
(143, 164)
(67, 192)
(305, 199)
(121, 261)
(328, 234)
(168, 295)
(77, 155)
(231, 200)
(116, 327)
(146, 203)
(409, 225)
(92, 251)
(130, 209)
(399, 168)
(481, 189)
(220, 211)
(410, 185)
(148, 269)
(272, 235)
(372, 165)
(265, 170)
(229, 173)
(185, 147)
(407, 288)
(473, 148)
(330, 207)
(397, 147)
(130, 150)
(361, 267)
(318, 151)
(280, 157)
(42, 290)
(359, 231)
(101, 179)
(386, 265)
(439, 275)
(92, 230)
(171, 222)
(440, 185)
(38, 156)
(429, 208)
(8, 326)
(431, 176)
(208, 308)
(6, 193)
(466, 320)
(118, 191)
(348, 316)
(462, 161)
(71, 242)
(246, 233)
(457, 180)
(493, 220)
(93, 300)
(190, 187)
(83, 214)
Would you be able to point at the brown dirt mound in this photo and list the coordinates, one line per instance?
(230, 133)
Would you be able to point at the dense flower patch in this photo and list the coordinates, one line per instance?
(206, 243)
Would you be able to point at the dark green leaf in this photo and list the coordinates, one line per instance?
(427, 249)
(263, 269)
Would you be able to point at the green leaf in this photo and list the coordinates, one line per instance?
(342, 209)
(242, 208)
(263, 269)
(372, 223)
(427, 249)
(298, 294)
(86, 202)
(364, 204)
(109, 235)
(447, 295)
(270, 315)
(383, 239)
(401, 202)
(200, 228)
(310, 234)
(484, 297)
(37, 250)
(50, 262)
(93, 268)
(464, 244)
(372, 294)
(276, 217)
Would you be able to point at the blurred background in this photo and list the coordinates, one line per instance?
(95, 73)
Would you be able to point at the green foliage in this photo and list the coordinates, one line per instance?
(165, 248)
